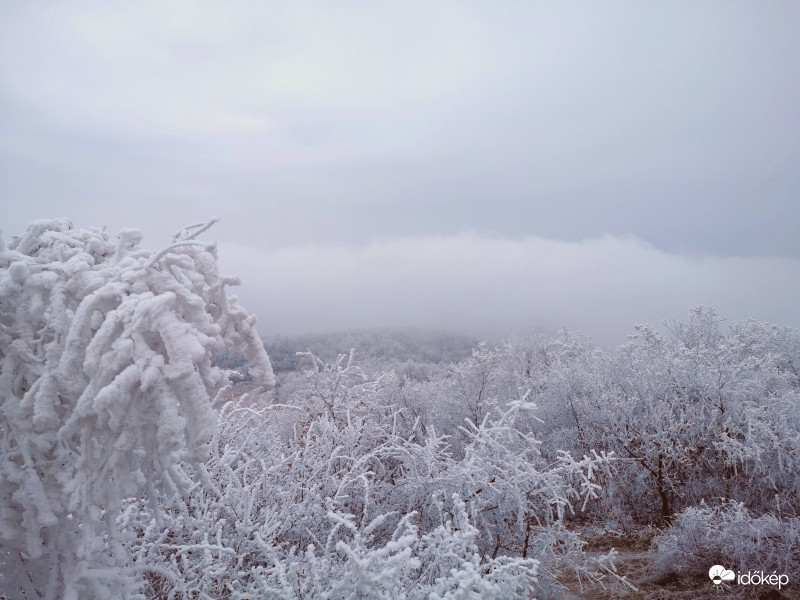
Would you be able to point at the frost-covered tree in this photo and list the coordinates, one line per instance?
(105, 377)
(701, 411)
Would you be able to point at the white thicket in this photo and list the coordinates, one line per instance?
(331, 496)
(105, 379)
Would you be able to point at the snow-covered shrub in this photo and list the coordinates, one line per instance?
(698, 413)
(105, 380)
(729, 535)
(358, 503)
(269, 497)
(443, 564)
(518, 500)
(194, 542)
(331, 385)
(324, 516)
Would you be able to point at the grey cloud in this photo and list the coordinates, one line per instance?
(676, 123)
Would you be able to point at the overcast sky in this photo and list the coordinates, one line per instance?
(486, 167)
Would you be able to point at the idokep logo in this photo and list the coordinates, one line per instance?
(718, 574)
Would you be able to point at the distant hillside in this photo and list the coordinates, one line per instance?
(372, 347)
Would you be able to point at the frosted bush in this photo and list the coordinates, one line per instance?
(353, 504)
(729, 535)
(704, 411)
(105, 381)
(309, 520)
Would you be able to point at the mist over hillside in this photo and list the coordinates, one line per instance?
(371, 347)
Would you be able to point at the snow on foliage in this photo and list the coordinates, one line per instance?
(105, 381)
(354, 504)
(728, 534)
(119, 478)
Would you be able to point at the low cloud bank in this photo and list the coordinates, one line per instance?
(492, 287)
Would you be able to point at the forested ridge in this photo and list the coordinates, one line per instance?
(148, 451)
